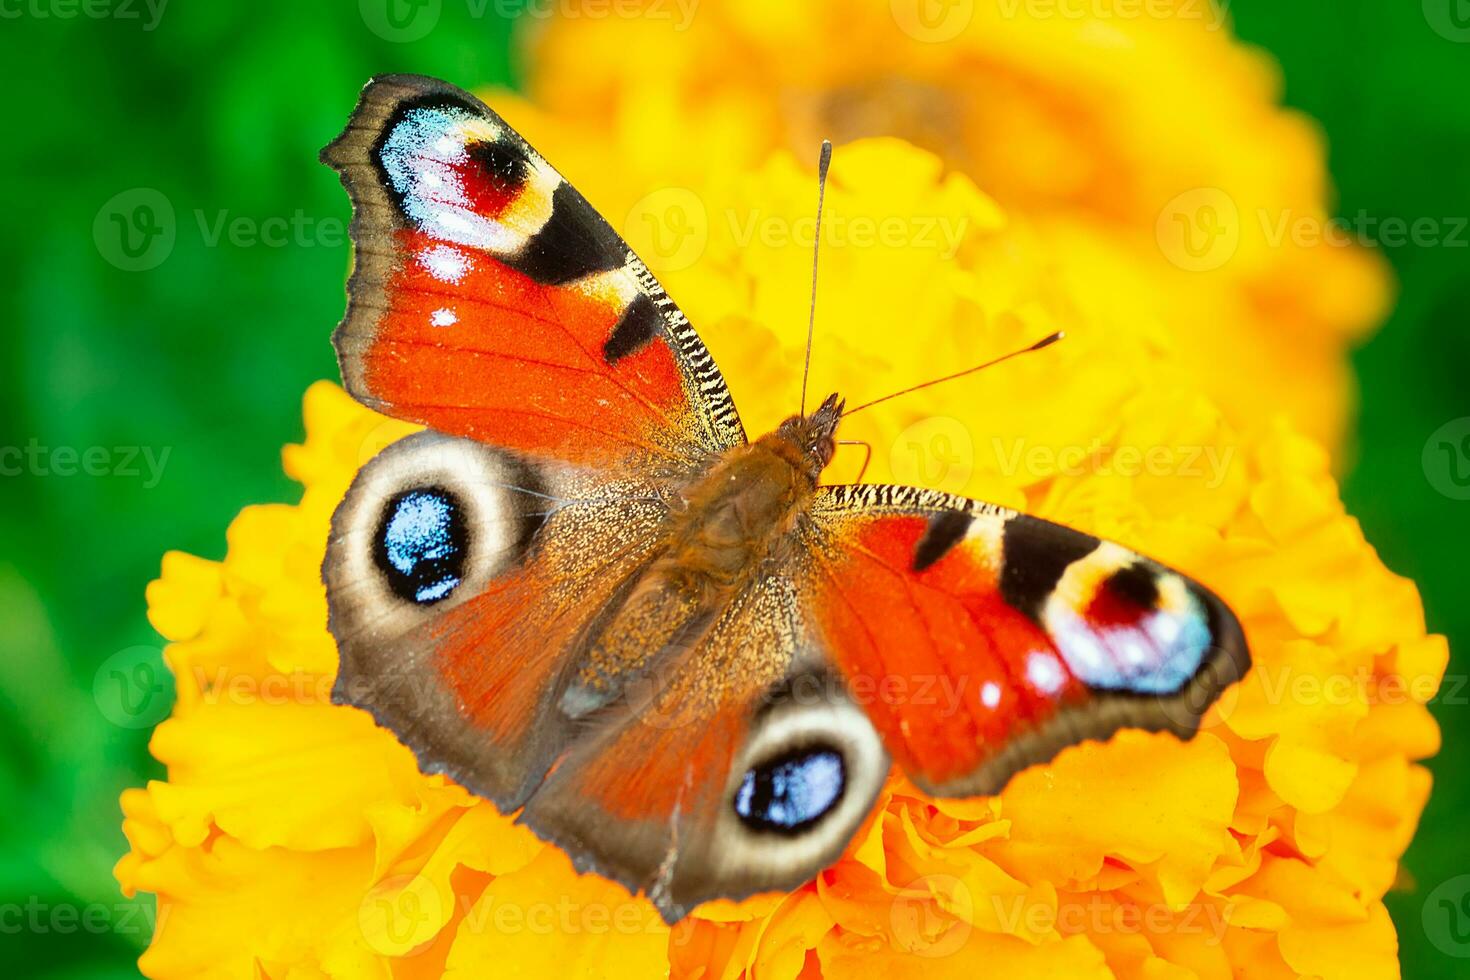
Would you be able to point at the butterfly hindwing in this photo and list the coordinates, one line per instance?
(490, 300)
(982, 640)
(463, 582)
(468, 588)
(742, 766)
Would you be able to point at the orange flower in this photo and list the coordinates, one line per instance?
(1141, 134)
(293, 838)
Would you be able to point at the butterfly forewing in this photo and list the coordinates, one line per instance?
(490, 300)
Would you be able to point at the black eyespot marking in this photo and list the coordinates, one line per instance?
(943, 533)
(501, 165)
(790, 793)
(421, 545)
(1137, 584)
(638, 327)
(574, 242)
(1035, 554)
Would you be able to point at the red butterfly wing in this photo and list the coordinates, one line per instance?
(490, 300)
(982, 641)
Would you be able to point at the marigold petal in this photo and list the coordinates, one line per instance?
(219, 913)
(961, 952)
(1150, 801)
(277, 774)
(545, 920)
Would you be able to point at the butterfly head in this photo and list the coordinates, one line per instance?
(813, 434)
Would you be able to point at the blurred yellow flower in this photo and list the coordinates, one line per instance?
(292, 838)
(1141, 134)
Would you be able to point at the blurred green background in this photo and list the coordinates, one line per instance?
(221, 108)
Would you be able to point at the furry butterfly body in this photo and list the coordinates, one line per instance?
(587, 596)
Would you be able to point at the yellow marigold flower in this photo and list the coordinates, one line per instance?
(1141, 133)
(294, 838)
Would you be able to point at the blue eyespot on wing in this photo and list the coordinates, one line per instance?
(421, 545)
(793, 792)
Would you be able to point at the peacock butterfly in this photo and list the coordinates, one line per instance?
(585, 595)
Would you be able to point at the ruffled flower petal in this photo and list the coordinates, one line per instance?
(293, 838)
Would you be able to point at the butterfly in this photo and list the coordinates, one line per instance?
(586, 595)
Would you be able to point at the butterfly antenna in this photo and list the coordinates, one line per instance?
(823, 162)
(1044, 342)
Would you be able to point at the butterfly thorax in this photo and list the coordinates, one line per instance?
(741, 512)
(737, 519)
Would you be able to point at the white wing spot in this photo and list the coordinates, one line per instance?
(445, 263)
(1044, 671)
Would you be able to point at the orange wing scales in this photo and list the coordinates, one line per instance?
(945, 667)
(505, 360)
(981, 640)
